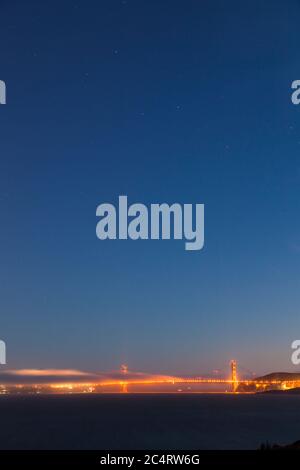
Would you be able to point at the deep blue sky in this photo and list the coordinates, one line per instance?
(165, 101)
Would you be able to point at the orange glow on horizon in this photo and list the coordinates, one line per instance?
(124, 379)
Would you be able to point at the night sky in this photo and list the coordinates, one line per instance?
(163, 101)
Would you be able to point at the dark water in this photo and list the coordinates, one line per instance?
(147, 421)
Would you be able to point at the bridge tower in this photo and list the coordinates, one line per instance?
(234, 379)
(124, 385)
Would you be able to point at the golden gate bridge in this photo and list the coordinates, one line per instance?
(128, 381)
(234, 381)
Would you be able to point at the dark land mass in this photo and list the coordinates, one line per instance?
(282, 376)
(294, 446)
